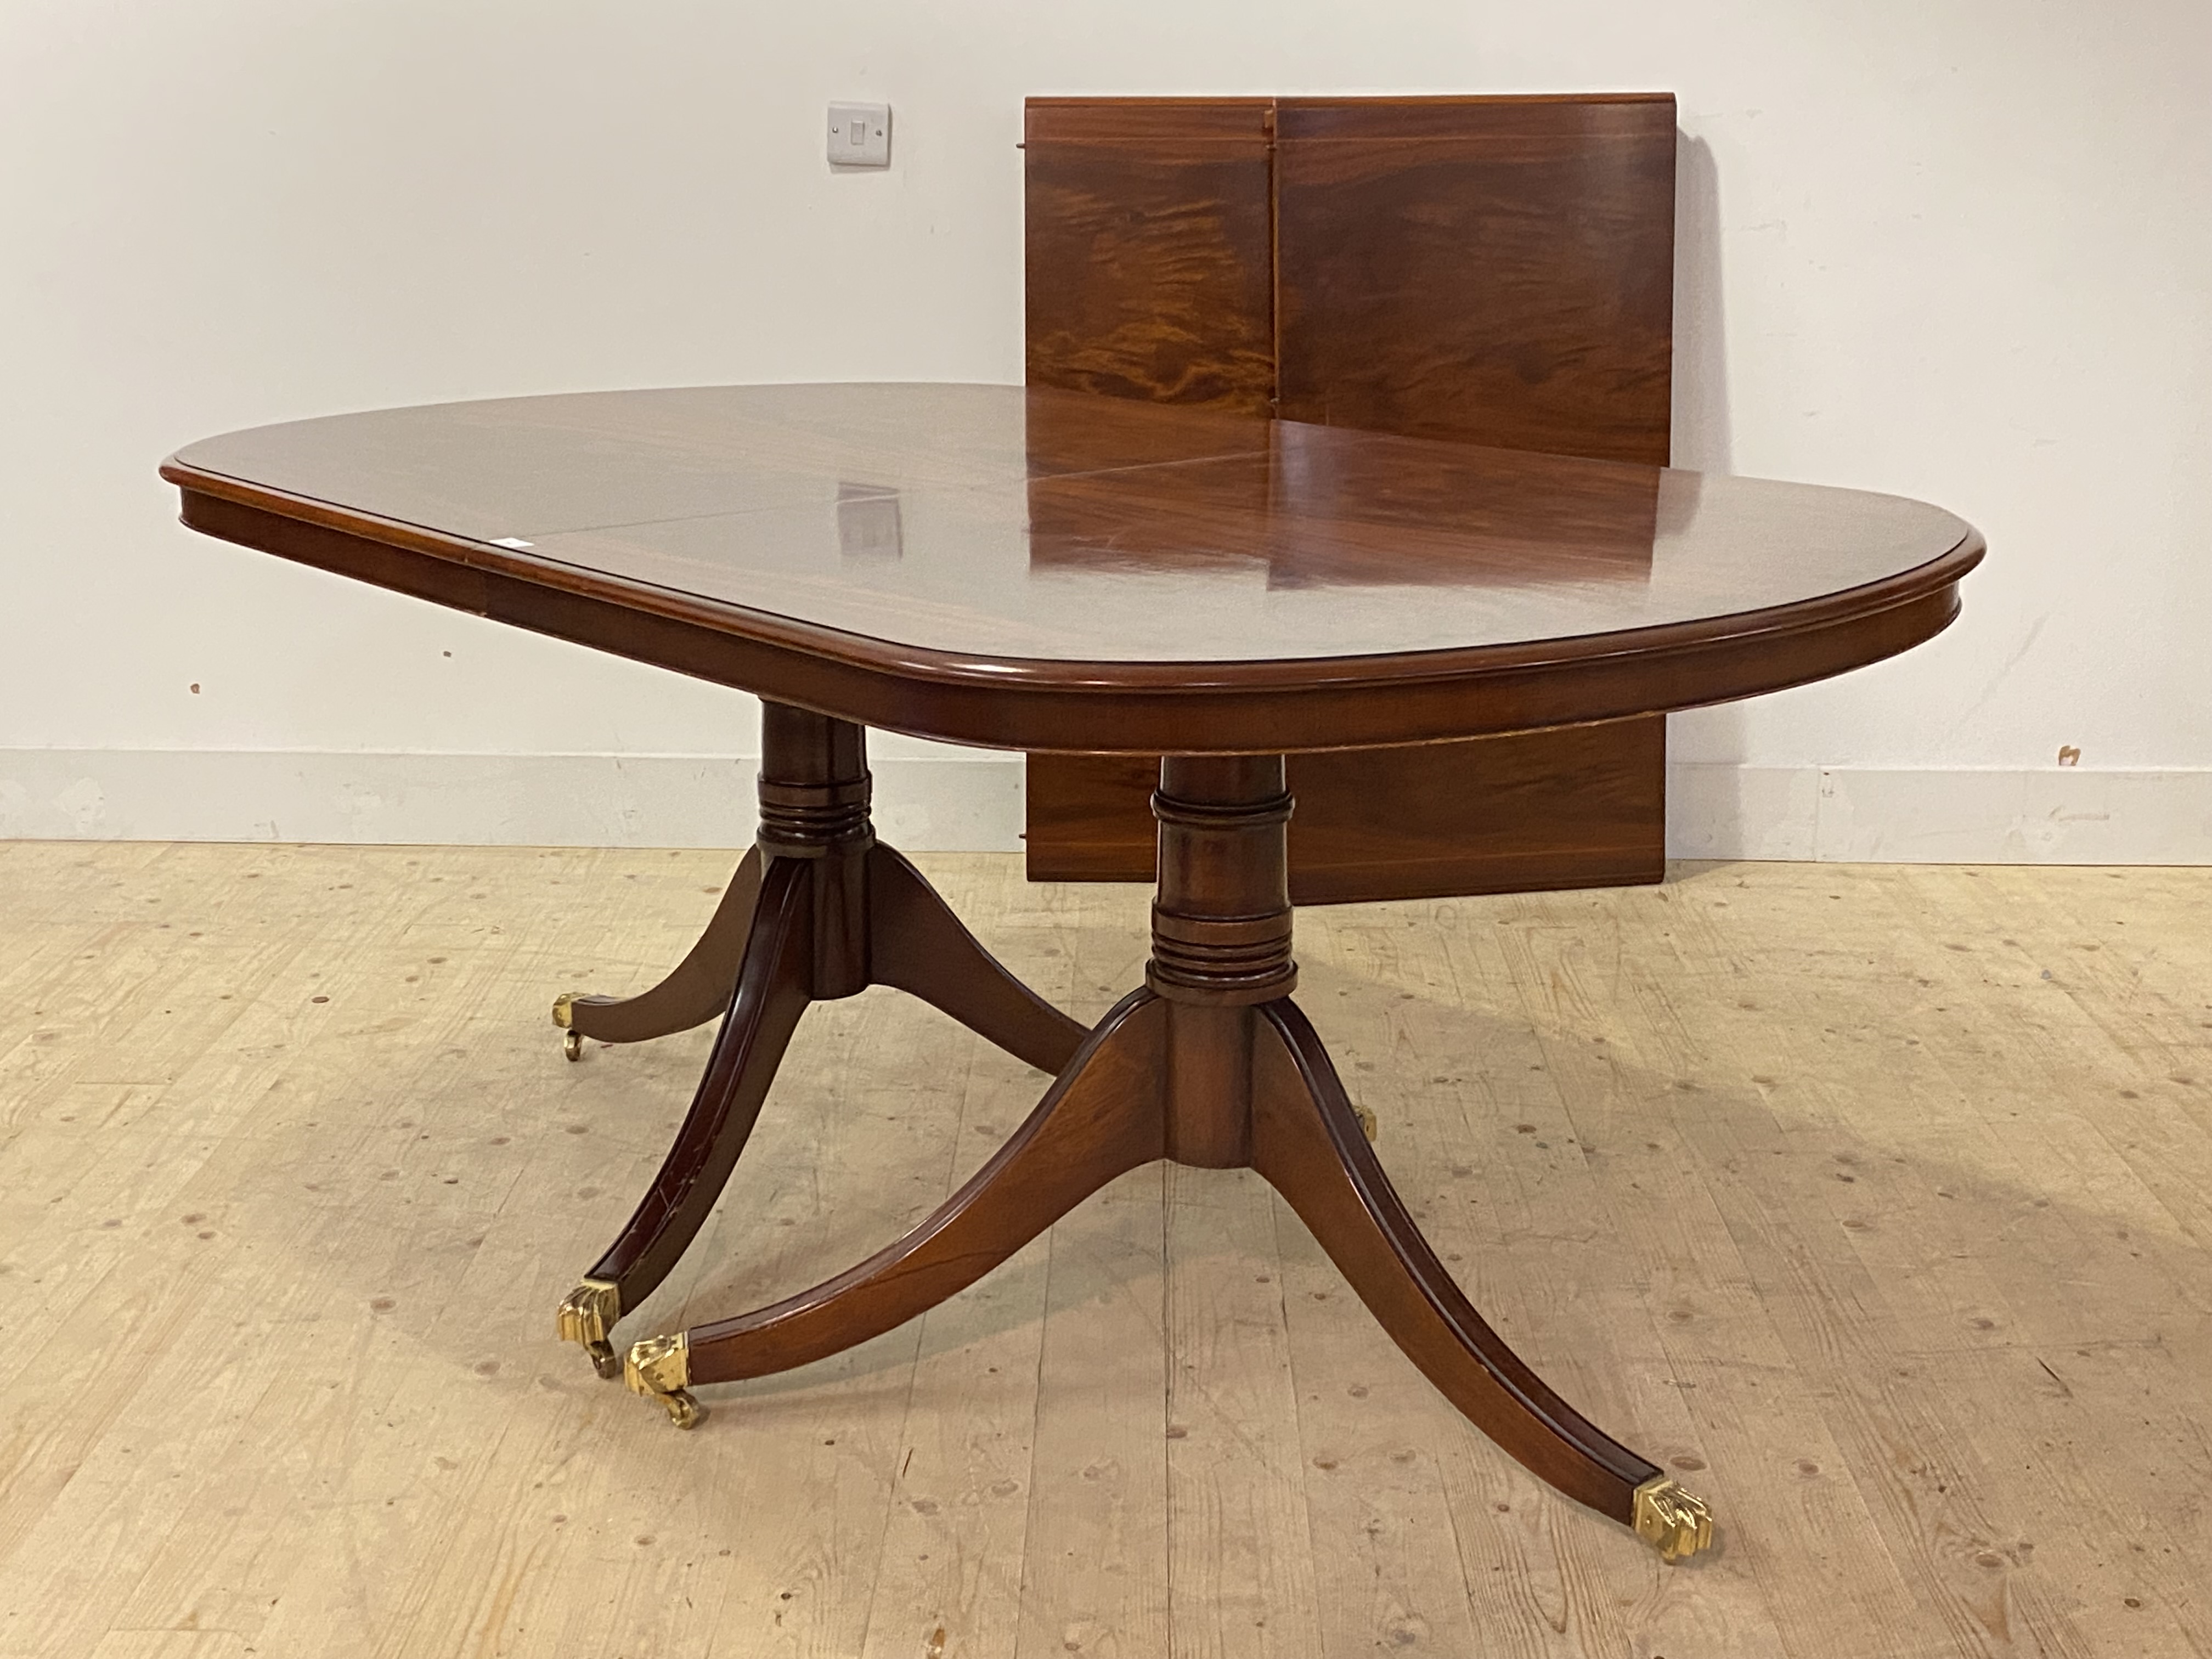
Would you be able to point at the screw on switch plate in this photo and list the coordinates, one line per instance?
(859, 135)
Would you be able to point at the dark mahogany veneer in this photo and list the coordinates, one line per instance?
(1490, 269)
(1036, 569)
(1050, 570)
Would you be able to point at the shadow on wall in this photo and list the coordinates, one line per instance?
(1704, 439)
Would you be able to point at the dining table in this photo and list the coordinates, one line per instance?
(1020, 569)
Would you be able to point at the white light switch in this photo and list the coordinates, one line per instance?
(859, 135)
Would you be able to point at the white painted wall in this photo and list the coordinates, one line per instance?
(1958, 249)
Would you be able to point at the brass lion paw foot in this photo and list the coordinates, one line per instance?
(1678, 1523)
(586, 1318)
(659, 1368)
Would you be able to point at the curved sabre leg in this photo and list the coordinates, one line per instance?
(1307, 1142)
(1101, 1118)
(918, 945)
(696, 990)
(773, 990)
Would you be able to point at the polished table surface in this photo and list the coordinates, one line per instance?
(1041, 570)
(1280, 581)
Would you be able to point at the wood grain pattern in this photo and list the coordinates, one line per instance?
(1149, 250)
(1091, 1127)
(1208, 1065)
(1282, 587)
(1242, 1541)
(1310, 1147)
(819, 910)
(769, 996)
(1494, 269)
(916, 945)
(180, 1086)
(697, 989)
(1582, 806)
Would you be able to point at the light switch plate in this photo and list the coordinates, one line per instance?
(859, 135)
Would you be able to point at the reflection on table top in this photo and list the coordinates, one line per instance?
(996, 522)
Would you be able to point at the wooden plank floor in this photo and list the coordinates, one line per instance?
(1876, 1200)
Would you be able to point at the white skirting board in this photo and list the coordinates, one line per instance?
(972, 801)
(963, 802)
(1879, 815)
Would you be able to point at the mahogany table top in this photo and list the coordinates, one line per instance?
(1046, 569)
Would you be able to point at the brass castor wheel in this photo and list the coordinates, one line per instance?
(684, 1410)
(572, 1040)
(659, 1368)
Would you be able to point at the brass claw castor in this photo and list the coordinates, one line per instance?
(1366, 1117)
(659, 1368)
(586, 1318)
(1678, 1523)
(572, 1041)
